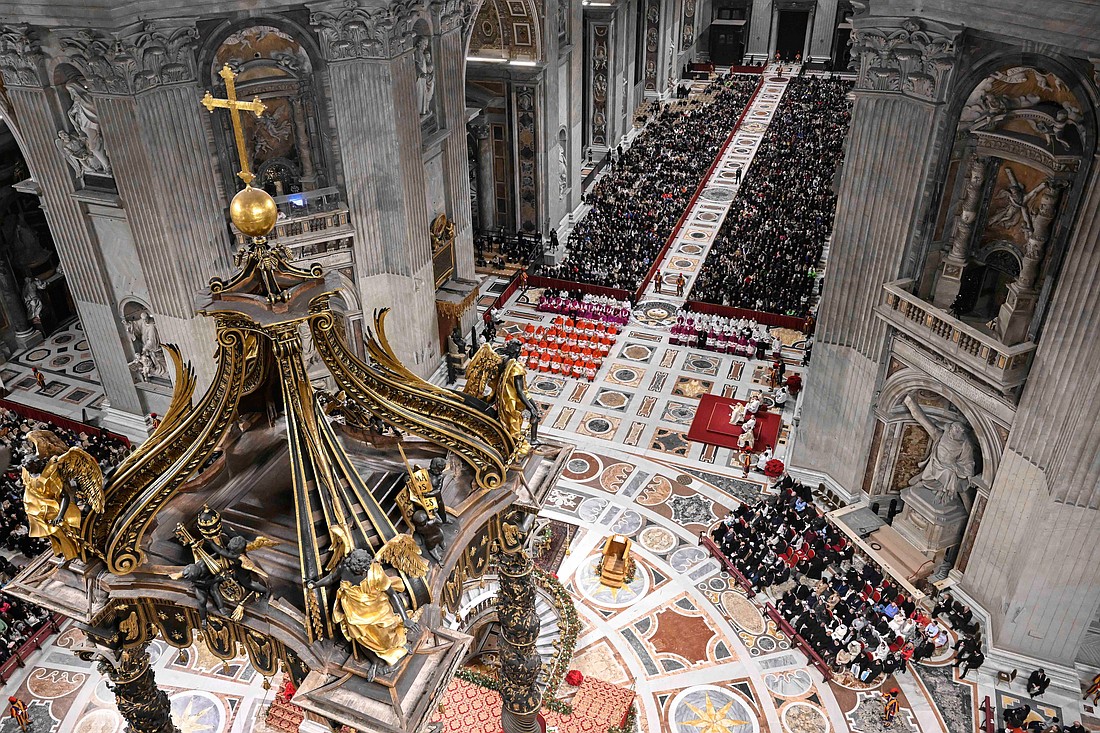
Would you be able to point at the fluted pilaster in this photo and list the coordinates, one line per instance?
(888, 150)
(77, 245)
(455, 162)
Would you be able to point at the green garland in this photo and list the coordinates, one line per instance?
(628, 724)
(492, 683)
(568, 626)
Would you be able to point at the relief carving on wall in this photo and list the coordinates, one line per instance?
(1026, 104)
(599, 83)
(652, 43)
(687, 33)
(83, 146)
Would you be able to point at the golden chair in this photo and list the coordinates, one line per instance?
(616, 560)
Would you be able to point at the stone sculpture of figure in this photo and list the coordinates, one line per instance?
(369, 611)
(563, 173)
(150, 359)
(425, 75)
(76, 152)
(948, 470)
(32, 301)
(85, 121)
(1017, 210)
(49, 470)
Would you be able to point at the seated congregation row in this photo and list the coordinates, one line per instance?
(840, 602)
(765, 253)
(636, 205)
(20, 620)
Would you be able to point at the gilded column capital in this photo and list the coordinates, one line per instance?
(354, 30)
(908, 56)
(22, 62)
(132, 60)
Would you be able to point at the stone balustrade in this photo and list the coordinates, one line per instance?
(311, 225)
(982, 354)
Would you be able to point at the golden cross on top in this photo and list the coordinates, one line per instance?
(234, 108)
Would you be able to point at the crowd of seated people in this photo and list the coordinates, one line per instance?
(637, 204)
(567, 347)
(840, 602)
(764, 255)
(590, 307)
(19, 621)
(738, 336)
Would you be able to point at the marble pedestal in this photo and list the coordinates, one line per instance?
(929, 526)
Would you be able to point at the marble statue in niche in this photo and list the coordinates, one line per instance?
(149, 359)
(84, 145)
(425, 75)
(950, 467)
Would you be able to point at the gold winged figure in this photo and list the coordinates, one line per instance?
(483, 371)
(51, 502)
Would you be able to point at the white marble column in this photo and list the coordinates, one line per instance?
(37, 115)
(824, 29)
(887, 165)
(372, 79)
(1035, 566)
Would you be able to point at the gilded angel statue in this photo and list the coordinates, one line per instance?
(50, 472)
(368, 609)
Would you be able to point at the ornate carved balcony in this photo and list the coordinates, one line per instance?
(314, 226)
(981, 354)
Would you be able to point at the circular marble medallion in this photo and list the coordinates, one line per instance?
(681, 413)
(84, 367)
(707, 216)
(598, 426)
(743, 613)
(612, 400)
(754, 127)
(591, 508)
(36, 355)
(587, 581)
(655, 313)
(802, 717)
(63, 338)
(683, 264)
(637, 352)
(745, 141)
(711, 708)
(742, 150)
(628, 523)
(60, 361)
(788, 683)
(657, 540)
(196, 710)
(691, 249)
(103, 720)
(546, 385)
(686, 558)
(765, 644)
(581, 466)
(81, 345)
(625, 374)
(697, 235)
(721, 194)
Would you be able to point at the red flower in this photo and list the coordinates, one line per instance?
(574, 678)
(773, 468)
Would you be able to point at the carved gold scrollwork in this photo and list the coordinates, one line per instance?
(391, 392)
(141, 486)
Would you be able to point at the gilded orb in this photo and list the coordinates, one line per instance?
(253, 211)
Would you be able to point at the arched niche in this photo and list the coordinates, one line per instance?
(1013, 173)
(287, 145)
(903, 442)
